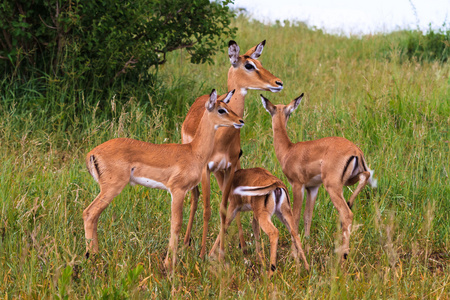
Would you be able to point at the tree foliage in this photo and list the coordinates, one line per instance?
(106, 39)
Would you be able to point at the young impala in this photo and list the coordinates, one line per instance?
(246, 73)
(176, 168)
(333, 161)
(258, 190)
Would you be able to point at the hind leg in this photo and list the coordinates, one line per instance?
(92, 213)
(345, 215)
(362, 179)
(268, 227)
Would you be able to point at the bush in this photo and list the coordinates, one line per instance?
(432, 46)
(106, 40)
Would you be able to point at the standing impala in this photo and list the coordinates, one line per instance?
(333, 161)
(176, 168)
(245, 73)
(258, 190)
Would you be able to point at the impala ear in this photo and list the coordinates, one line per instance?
(256, 51)
(268, 105)
(233, 52)
(212, 100)
(228, 97)
(294, 104)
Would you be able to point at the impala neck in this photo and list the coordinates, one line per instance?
(203, 141)
(281, 141)
(237, 103)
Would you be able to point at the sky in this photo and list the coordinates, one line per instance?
(352, 16)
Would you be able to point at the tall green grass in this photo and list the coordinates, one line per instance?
(396, 111)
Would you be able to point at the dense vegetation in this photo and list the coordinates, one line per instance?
(396, 110)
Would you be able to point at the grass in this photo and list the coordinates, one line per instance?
(396, 111)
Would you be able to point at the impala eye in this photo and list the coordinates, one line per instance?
(221, 111)
(249, 66)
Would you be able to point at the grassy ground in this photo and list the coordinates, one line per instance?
(397, 112)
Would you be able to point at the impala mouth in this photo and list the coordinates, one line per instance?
(238, 126)
(275, 89)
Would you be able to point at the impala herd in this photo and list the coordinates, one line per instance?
(207, 148)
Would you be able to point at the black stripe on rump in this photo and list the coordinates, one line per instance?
(96, 165)
(265, 200)
(347, 164)
(363, 164)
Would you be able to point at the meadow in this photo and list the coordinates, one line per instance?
(361, 88)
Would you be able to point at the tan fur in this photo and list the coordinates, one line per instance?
(174, 167)
(227, 141)
(262, 184)
(309, 164)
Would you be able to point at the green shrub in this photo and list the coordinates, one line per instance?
(107, 39)
(434, 45)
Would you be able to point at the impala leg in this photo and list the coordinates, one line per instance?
(228, 180)
(286, 217)
(92, 213)
(268, 227)
(231, 214)
(175, 227)
(206, 189)
(194, 204)
(363, 179)
(309, 208)
(345, 216)
(297, 191)
(256, 231)
(220, 180)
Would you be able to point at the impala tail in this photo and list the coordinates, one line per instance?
(92, 166)
(254, 190)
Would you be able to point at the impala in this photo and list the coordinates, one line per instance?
(258, 190)
(245, 73)
(176, 168)
(333, 161)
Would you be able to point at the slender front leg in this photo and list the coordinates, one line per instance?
(285, 216)
(175, 227)
(206, 189)
(297, 191)
(311, 196)
(194, 203)
(231, 214)
(228, 180)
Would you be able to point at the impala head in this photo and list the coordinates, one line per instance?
(281, 112)
(220, 113)
(247, 72)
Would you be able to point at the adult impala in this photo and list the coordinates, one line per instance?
(176, 168)
(333, 161)
(258, 190)
(245, 73)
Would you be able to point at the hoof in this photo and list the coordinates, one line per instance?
(345, 255)
(87, 255)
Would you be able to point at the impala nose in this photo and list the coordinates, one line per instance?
(280, 83)
(242, 121)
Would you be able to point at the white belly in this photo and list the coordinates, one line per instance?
(147, 182)
(315, 181)
(223, 164)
